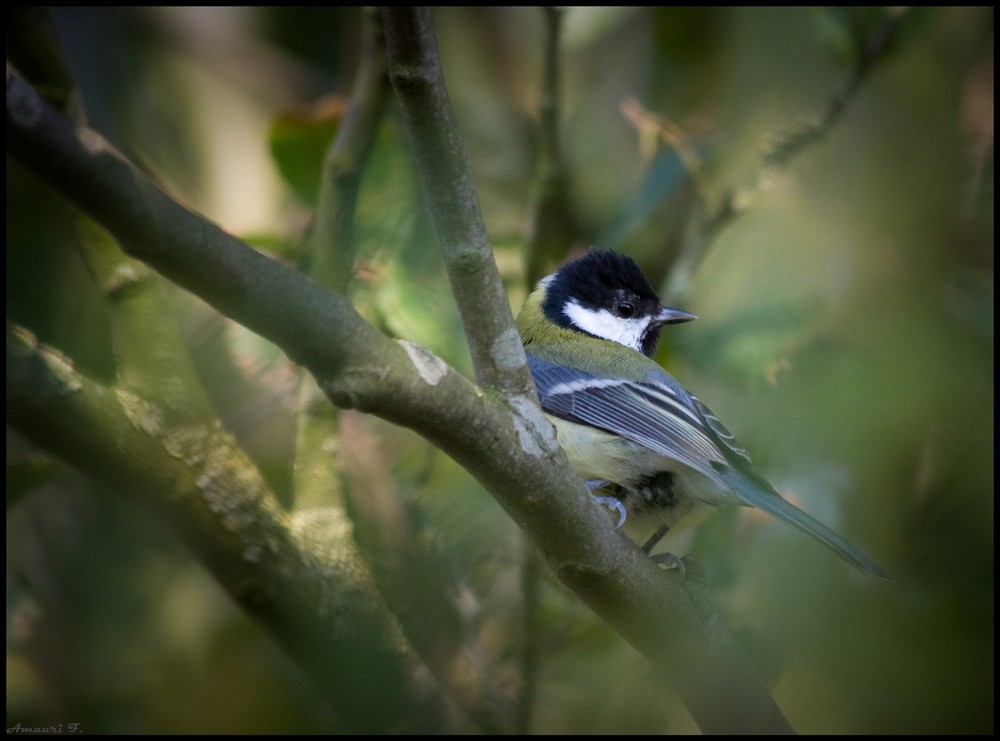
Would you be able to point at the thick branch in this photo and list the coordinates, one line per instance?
(161, 394)
(318, 602)
(150, 226)
(150, 357)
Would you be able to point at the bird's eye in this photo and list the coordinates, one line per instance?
(625, 309)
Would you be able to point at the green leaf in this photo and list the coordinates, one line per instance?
(299, 140)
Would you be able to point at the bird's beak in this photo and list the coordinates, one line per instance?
(667, 315)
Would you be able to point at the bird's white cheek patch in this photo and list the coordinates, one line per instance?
(604, 324)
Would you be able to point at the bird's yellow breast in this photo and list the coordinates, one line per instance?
(595, 454)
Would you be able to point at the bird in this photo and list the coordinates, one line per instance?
(647, 448)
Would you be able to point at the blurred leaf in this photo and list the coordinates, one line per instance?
(418, 306)
(401, 284)
(845, 30)
(753, 344)
(299, 141)
(585, 24)
(24, 477)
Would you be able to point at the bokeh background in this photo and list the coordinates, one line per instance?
(845, 335)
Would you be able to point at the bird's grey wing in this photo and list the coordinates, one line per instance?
(657, 416)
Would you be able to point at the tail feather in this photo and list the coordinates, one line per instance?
(768, 500)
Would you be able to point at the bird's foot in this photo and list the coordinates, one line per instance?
(614, 504)
(670, 561)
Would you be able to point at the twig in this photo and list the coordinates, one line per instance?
(332, 252)
(332, 244)
(786, 146)
(790, 143)
(551, 228)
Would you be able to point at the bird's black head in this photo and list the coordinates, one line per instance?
(605, 294)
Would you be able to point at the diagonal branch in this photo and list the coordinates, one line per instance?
(318, 602)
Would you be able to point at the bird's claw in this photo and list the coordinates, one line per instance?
(615, 505)
(670, 561)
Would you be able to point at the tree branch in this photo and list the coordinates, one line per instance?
(157, 384)
(785, 147)
(444, 171)
(332, 244)
(300, 578)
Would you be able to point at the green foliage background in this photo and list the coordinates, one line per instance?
(846, 336)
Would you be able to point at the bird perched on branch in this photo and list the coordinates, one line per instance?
(651, 451)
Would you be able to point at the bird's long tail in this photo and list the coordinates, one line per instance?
(763, 497)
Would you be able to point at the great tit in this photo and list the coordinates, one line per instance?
(651, 451)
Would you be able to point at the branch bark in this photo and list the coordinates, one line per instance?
(298, 577)
(443, 166)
